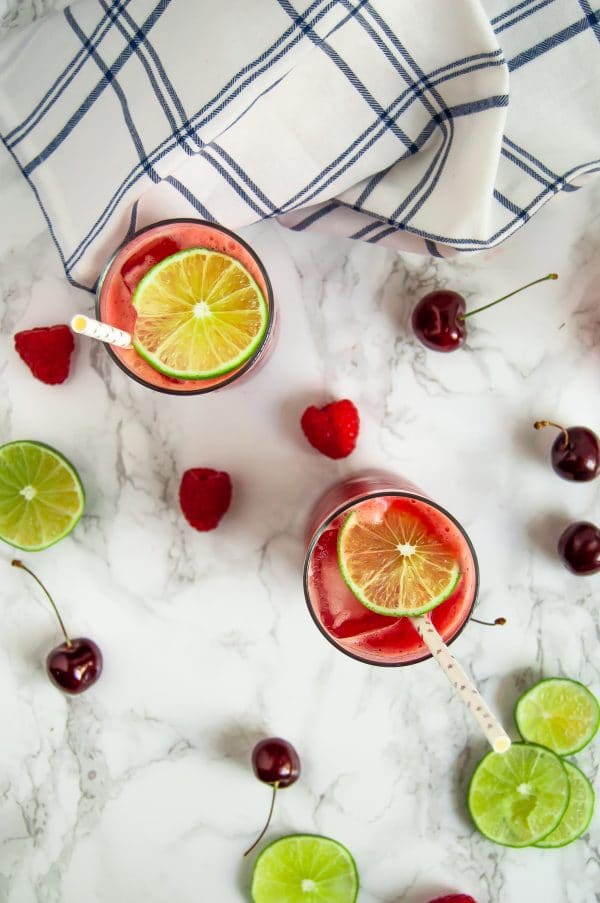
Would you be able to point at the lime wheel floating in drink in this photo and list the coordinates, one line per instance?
(396, 558)
(197, 302)
(519, 797)
(200, 314)
(41, 495)
(558, 713)
(302, 868)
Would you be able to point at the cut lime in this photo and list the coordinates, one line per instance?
(558, 713)
(579, 811)
(518, 797)
(394, 560)
(200, 314)
(304, 868)
(41, 496)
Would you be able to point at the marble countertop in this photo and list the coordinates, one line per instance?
(141, 790)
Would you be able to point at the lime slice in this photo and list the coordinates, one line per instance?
(394, 560)
(579, 812)
(518, 797)
(41, 496)
(200, 314)
(304, 868)
(558, 713)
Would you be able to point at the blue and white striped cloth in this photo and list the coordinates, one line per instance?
(436, 126)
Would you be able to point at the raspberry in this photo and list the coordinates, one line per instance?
(454, 898)
(204, 496)
(47, 352)
(333, 429)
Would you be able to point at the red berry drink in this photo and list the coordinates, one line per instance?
(136, 258)
(350, 626)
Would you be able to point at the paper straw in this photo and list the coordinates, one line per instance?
(101, 331)
(470, 695)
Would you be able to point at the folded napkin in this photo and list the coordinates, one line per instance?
(430, 126)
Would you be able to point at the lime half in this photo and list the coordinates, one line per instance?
(304, 868)
(41, 496)
(579, 811)
(200, 314)
(558, 713)
(518, 797)
(394, 560)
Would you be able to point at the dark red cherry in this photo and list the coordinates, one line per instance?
(438, 320)
(275, 761)
(75, 666)
(579, 548)
(575, 452)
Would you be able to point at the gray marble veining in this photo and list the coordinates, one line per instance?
(142, 790)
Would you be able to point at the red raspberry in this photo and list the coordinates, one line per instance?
(454, 898)
(204, 496)
(47, 352)
(333, 429)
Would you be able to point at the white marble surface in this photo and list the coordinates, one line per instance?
(141, 791)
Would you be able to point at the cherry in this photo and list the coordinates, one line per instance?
(74, 665)
(575, 452)
(579, 548)
(499, 622)
(275, 762)
(438, 319)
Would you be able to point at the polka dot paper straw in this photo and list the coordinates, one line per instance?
(101, 331)
(470, 695)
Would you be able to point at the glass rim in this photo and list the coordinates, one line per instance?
(339, 510)
(270, 298)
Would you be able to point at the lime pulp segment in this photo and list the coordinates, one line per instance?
(579, 812)
(41, 495)
(558, 713)
(396, 565)
(518, 797)
(304, 868)
(200, 315)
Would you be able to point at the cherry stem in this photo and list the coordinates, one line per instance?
(264, 830)
(499, 622)
(540, 424)
(19, 564)
(504, 297)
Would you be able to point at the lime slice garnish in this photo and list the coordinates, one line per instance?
(395, 561)
(579, 811)
(558, 713)
(304, 868)
(41, 496)
(518, 797)
(200, 314)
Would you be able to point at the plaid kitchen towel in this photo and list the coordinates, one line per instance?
(435, 126)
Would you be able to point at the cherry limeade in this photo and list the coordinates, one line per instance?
(352, 628)
(137, 256)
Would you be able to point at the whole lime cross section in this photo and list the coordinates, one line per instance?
(41, 495)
